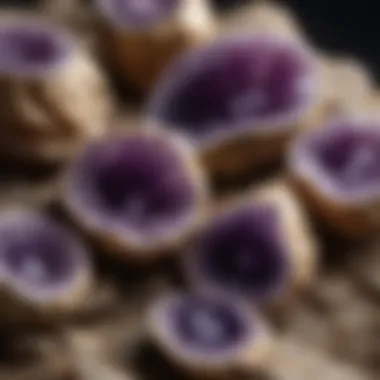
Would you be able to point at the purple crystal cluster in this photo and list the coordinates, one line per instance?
(40, 260)
(204, 328)
(343, 157)
(243, 252)
(241, 84)
(31, 48)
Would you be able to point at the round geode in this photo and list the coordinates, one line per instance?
(141, 37)
(140, 193)
(42, 264)
(337, 170)
(239, 99)
(259, 248)
(54, 97)
(208, 333)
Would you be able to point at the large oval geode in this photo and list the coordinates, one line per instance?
(260, 248)
(141, 37)
(139, 193)
(239, 99)
(42, 264)
(208, 333)
(45, 113)
(337, 170)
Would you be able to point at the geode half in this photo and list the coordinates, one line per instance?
(259, 247)
(140, 193)
(239, 99)
(337, 170)
(54, 97)
(43, 266)
(208, 333)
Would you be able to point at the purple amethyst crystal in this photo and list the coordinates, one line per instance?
(241, 251)
(203, 326)
(140, 185)
(238, 84)
(31, 47)
(343, 158)
(38, 257)
(137, 13)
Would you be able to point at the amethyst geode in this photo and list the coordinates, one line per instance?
(238, 99)
(42, 264)
(141, 37)
(40, 68)
(139, 193)
(211, 333)
(248, 249)
(337, 168)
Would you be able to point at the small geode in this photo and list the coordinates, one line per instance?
(141, 37)
(43, 266)
(239, 99)
(259, 247)
(53, 96)
(139, 194)
(337, 170)
(209, 334)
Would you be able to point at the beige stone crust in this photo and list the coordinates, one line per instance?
(140, 56)
(92, 359)
(294, 360)
(51, 115)
(348, 85)
(351, 221)
(116, 241)
(263, 17)
(252, 357)
(301, 240)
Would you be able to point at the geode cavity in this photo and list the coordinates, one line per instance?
(204, 331)
(29, 49)
(140, 191)
(41, 261)
(340, 166)
(238, 88)
(242, 251)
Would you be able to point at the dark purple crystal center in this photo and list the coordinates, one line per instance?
(244, 252)
(28, 47)
(39, 255)
(139, 181)
(206, 324)
(140, 13)
(349, 156)
(234, 83)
